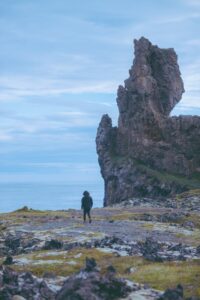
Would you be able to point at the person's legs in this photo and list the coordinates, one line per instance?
(89, 216)
(87, 212)
(84, 215)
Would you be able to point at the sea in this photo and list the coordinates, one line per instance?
(45, 196)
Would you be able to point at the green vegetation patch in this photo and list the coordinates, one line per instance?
(189, 183)
(168, 177)
(123, 216)
(193, 239)
(148, 226)
(165, 275)
(63, 262)
(158, 275)
(190, 193)
(24, 215)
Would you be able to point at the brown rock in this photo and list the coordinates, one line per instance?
(91, 285)
(149, 153)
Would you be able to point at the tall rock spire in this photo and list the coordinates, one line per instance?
(148, 152)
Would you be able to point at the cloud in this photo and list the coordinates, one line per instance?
(84, 68)
(82, 167)
(193, 42)
(191, 76)
(191, 101)
(195, 3)
(14, 88)
(57, 58)
(57, 124)
(179, 18)
(73, 113)
(5, 137)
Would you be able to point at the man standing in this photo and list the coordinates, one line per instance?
(86, 205)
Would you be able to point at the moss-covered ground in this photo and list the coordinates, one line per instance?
(157, 275)
(125, 223)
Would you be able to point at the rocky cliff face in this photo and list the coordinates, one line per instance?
(149, 153)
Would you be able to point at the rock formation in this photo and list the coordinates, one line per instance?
(149, 154)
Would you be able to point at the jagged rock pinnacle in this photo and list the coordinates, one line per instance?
(148, 147)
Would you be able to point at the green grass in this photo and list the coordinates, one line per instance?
(193, 183)
(63, 269)
(168, 177)
(158, 275)
(123, 216)
(190, 193)
(148, 226)
(166, 275)
(23, 216)
(161, 275)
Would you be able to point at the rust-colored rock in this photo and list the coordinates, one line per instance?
(149, 153)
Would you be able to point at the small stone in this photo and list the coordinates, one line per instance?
(188, 224)
(49, 275)
(198, 250)
(146, 286)
(12, 242)
(111, 269)
(130, 270)
(173, 294)
(8, 260)
(45, 291)
(10, 276)
(27, 277)
(90, 264)
(53, 244)
(17, 297)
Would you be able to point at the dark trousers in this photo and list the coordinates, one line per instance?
(86, 212)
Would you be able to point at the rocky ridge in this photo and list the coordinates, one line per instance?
(149, 154)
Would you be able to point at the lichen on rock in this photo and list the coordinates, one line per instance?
(150, 153)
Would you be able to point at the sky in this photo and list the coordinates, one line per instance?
(60, 65)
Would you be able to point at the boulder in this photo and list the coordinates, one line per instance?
(14, 285)
(17, 297)
(173, 294)
(53, 244)
(90, 284)
(149, 249)
(8, 260)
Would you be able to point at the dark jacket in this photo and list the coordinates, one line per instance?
(86, 203)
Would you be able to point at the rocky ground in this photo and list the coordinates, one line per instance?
(136, 250)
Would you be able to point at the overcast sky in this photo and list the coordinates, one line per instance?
(61, 62)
